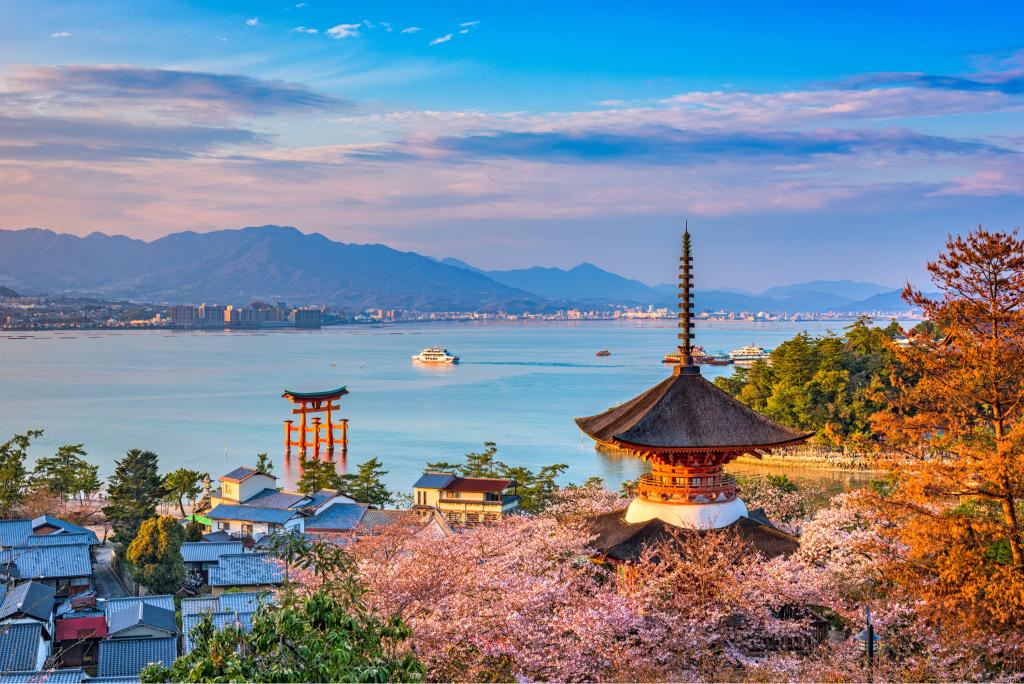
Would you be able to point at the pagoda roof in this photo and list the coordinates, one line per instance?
(308, 396)
(685, 412)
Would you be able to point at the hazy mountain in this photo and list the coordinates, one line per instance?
(8, 292)
(581, 283)
(459, 263)
(850, 290)
(884, 302)
(269, 262)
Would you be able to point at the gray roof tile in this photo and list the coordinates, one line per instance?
(116, 605)
(32, 599)
(208, 552)
(19, 645)
(73, 676)
(128, 657)
(244, 601)
(246, 570)
(337, 516)
(59, 538)
(199, 605)
(14, 532)
(275, 498)
(67, 527)
(278, 516)
(242, 473)
(142, 614)
(42, 562)
(434, 480)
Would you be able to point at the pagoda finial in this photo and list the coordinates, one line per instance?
(685, 314)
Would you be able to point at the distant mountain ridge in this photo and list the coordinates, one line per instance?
(276, 263)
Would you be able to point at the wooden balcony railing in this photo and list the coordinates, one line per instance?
(712, 489)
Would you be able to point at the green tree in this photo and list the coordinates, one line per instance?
(327, 635)
(66, 474)
(12, 471)
(155, 555)
(194, 531)
(317, 475)
(264, 463)
(366, 485)
(183, 484)
(133, 492)
(534, 489)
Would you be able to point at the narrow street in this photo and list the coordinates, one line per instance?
(106, 582)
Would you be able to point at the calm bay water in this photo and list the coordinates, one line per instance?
(211, 401)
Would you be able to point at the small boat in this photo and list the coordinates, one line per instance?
(604, 352)
(749, 355)
(435, 356)
(699, 356)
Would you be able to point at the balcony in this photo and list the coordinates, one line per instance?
(683, 489)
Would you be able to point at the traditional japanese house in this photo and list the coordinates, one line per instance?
(687, 429)
(81, 623)
(465, 500)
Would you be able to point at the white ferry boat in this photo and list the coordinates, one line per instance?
(434, 356)
(749, 355)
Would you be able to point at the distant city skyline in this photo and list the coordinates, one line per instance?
(802, 143)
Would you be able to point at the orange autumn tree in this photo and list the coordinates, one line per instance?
(957, 412)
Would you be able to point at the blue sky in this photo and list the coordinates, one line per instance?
(809, 141)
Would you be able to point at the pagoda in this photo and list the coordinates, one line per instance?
(688, 429)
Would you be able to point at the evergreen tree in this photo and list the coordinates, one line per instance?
(66, 474)
(264, 463)
(317, 475)
(133, 492)
(12, 471)
(155, 555)
(367, 484)
(183, 484)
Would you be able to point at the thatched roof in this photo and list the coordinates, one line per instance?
(688, 413)
(619, 540)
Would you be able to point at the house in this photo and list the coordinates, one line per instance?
(28, 602)
(81, 623)
(128, 657)
(140, 631)
(46, 525)
(235, 608)
(248, 571)
(465, 500)
(200, 556)
(338, 517)
(23, 647)
(21, 531)
(67, 568)
(249, 505)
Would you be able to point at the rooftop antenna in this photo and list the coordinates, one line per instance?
(686, 365)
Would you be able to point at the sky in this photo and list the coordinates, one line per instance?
(807, 141)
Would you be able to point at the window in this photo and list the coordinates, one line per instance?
(452, 495)
(223, 526)
(247, 529)
(492, 496)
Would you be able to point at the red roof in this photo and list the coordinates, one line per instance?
(72, 629)
(477, 484)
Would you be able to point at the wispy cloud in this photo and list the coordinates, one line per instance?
(411, 29)
(469, 24)
(300, 5)
(304, 29)
(442, 39)
(60, 34)
(386, 26)
(196, 90)
(342, 31)
(252, 22)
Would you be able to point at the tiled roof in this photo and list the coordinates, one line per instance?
(83, 604)
(434, 480)
(112, 680)
(32, 599)
(477, 484)
(337, 516)
(275, 498)
(277, 516)
(67, 527)
(201, 604)
(375, 518)
(44, 562)
(128, 657)
(116, 605)
(323, 496)
(220, 621)
(245, 570)
(14, 532)
(143, 614)
(244, 601)
(45, 677)
(243, 473)
(19, 645)
(73, 629)
(218, 536)
(60, 538)
(207, 552)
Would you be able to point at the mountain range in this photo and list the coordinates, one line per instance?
(275, 263)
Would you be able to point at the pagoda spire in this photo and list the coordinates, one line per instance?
(685, 315)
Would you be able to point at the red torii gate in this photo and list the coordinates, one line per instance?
(312, 436)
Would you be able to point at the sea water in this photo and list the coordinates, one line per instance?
(211, 401)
